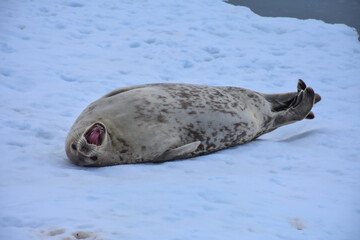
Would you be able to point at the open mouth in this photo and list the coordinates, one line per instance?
(95, 134)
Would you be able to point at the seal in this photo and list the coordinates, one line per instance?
(162, 122)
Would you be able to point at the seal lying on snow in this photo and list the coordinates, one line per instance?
(161, 122)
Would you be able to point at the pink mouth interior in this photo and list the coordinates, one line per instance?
(94, 136)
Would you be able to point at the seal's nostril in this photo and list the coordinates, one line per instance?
(94, 158)
(73, 146)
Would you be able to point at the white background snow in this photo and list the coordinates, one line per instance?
(299, 182)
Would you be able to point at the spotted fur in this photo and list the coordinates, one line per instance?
(161, 122)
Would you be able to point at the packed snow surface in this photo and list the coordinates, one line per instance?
(298, 182)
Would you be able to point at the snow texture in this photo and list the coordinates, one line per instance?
(298, 182)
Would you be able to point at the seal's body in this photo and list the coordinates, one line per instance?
(161, 122)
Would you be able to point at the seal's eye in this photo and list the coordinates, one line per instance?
(94, 158)
(73, 146)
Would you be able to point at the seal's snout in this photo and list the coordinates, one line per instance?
(95, 134)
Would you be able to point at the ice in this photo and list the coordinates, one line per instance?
(301, 181)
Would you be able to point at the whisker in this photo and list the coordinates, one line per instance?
(72, 133)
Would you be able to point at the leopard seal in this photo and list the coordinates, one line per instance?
(162, 122)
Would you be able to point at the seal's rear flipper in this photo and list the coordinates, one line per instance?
(302, 86)
(283, 101)
(311, 115)
(299, 109)
(280, 102)
(178, 152)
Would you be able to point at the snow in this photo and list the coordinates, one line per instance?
(301, 181)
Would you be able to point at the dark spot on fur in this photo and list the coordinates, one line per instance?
(267, 120)
(192, 112)
(223, 140)
(143, 148)
(161, 118)
(143, 114)
(163, 98)
(194, 134)
(201, 147)
(240, 138)
(185, 104)
(91, 108)
(218, 93)
(234, 104)
(184, 94)
(150, 111)
(123, 142)
(225, 128)
(210, 146)
(240, 125)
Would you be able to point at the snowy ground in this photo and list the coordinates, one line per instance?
(299, 182)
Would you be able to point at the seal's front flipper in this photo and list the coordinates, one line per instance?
(178, 152)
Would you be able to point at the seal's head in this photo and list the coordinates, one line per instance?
(89, 146)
